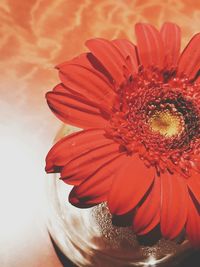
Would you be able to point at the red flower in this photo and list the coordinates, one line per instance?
(139, 107)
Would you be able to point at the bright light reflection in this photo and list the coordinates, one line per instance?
(153, 262)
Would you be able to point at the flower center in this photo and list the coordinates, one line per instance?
(159, 120)
(166, 123)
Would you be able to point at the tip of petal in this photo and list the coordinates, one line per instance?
(140, 24)
(170, 24)
(75, 201)
(47, 95)
(94, 40)
(48, 169)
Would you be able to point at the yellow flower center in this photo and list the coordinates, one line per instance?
(166, 123)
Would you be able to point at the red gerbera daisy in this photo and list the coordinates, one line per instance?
(139, 151)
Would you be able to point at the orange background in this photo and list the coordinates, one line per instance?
(35, 35)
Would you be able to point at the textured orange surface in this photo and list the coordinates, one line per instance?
(35, 35)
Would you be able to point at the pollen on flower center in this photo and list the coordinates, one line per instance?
(166, 123)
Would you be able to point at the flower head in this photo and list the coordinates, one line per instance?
(139, 151)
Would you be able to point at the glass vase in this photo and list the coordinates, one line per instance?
(88, 238)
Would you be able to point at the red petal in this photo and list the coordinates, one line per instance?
(193, 222)
(60, 88)
(148, 214)
(194, 185)
(189, 62)
(81, 60)
(81, 167)
(128, 50)
(89, 84)
(95, 189)
(130, 184)
(109, 56)
(171, 36)
(150, 45)
(72, 146)
(174, 205)
(74, 110)
(90, 62)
